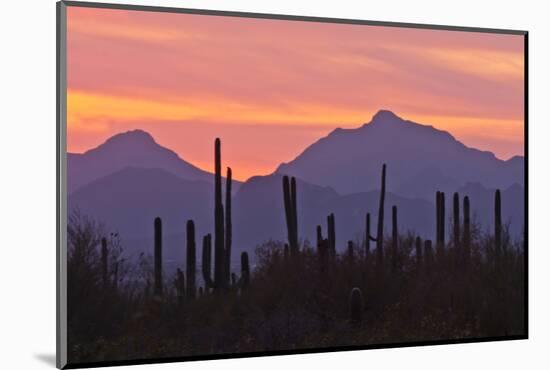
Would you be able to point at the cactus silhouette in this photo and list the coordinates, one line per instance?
(207, 262)
(498, 225)
(456, 221)
(331, 230)
(294, 205)
(104, 268)
(466, 238)
(158, 257)
(394, 238)
(380, 228)
(191, 260)
(356, 307)
(289, 197)
(440, 223)
(228, 224)
(219, 234)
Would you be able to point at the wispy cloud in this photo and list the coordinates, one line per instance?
(128, 66)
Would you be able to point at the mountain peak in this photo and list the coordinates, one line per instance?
(385, 117)
(133, 136)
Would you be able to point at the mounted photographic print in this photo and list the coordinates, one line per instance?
(237, 184)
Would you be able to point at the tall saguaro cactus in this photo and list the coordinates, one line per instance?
(228, 224)
(380, 228)
(498, 224)
(207, 261)
(158, 257)
(191, 260)
(331, 231)
(219, 235)
(289, 196)
(440, 222)
(294, 205)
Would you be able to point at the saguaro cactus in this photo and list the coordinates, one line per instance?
(207, 261)
(219, 235)
(294, 204)
(380, 228)
(498, 225)
(356, 307)
(440, 222)
(191, 260)
(289, 196)
(104, 268)
(158, 257)
(456, 221)
(466, 238)
(394, 238)
(331, 231)
(228, 224)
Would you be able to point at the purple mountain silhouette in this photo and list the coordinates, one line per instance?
(420, 159)
(129, 199)
(129, 149)
(129, 180)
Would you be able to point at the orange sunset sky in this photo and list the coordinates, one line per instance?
(269, 88)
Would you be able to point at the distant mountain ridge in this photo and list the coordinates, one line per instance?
(130, 179)
(349, 160)
(135, 148)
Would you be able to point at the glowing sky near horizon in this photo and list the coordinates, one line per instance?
(270, 88)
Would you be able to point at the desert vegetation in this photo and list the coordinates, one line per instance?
(387, 288)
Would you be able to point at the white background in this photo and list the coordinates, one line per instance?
(27, 182)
